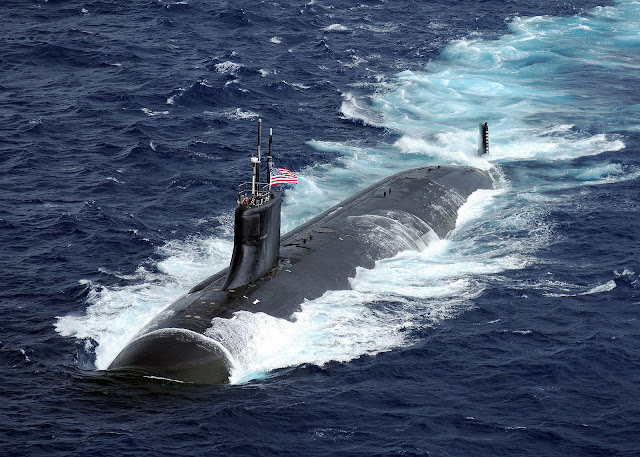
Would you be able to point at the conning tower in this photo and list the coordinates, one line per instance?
(256, 241)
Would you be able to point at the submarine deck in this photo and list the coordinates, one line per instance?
(399, 213)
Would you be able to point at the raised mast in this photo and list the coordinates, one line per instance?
(269, 159)
(259, 141)
(255, 182)
(256, 193)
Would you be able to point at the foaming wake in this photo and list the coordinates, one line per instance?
(540, 87)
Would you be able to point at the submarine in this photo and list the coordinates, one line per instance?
(275, 274)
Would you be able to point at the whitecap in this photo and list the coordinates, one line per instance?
(151, 113)
(228, 67)
(336, 28)
(607, 287)
(239, 113)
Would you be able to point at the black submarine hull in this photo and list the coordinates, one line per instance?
(399, 213)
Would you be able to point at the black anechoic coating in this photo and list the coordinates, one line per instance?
(401, 212)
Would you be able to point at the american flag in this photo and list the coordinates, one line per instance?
(282, 176)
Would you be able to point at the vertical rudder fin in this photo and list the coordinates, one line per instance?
(483, 140)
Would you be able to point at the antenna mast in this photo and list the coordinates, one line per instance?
(260, 192)
(257, 167)
(269, 159)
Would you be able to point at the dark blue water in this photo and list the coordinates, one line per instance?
(125, 127)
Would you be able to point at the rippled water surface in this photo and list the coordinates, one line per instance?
(125, 127)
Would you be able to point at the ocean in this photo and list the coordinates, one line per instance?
(126, 127)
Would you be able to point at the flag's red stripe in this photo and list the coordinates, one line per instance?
(283, 176)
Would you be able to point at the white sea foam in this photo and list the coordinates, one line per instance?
(239, 113)
(355, 61)
(498, 81)
(606, 170)
(297, 85)
(353, 107)
(606, 287)
(626, 272)
(336, 28)
(24, 354)
(377, 28)
(171, 100)
(324, 330)
(228, 67)
(151, 113)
